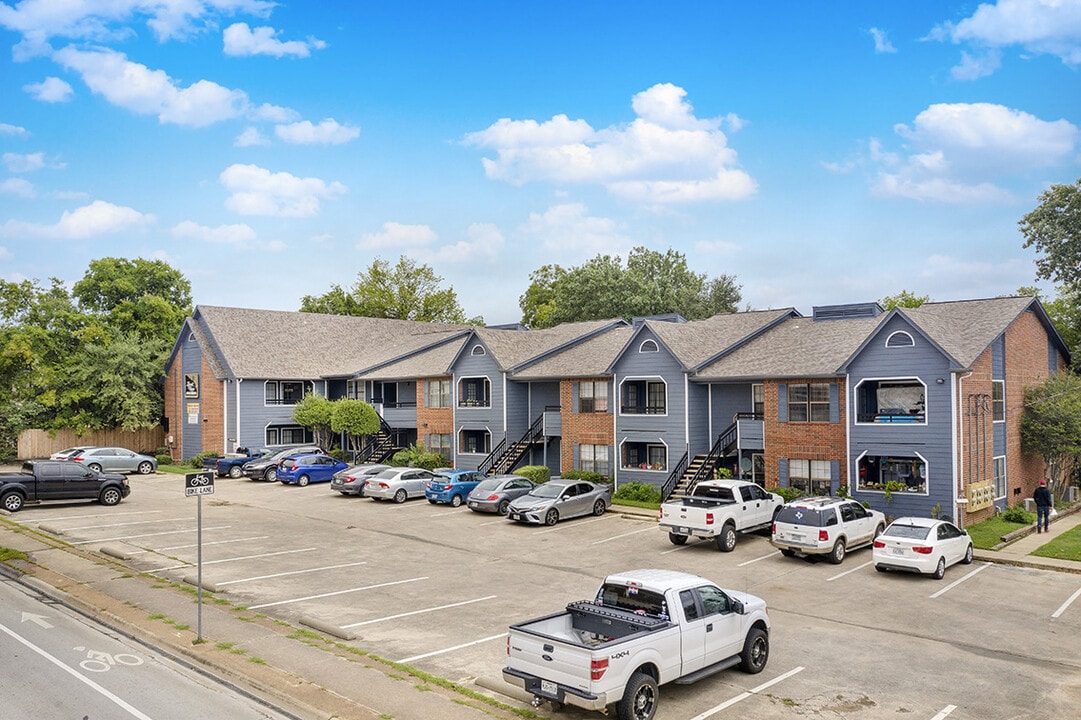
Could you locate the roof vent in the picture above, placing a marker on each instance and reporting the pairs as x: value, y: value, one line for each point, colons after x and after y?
x: 666, y: 317
x: 847, y: 312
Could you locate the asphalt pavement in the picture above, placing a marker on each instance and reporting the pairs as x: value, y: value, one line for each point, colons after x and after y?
x: 300, y: 671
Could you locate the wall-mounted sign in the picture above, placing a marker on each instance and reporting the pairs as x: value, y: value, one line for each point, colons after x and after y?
x: 193, y: 413
x: 191, y: 385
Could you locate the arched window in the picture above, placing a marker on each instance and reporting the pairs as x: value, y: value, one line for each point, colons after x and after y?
x: 648, y: 346
x: 900, y: 339
x: 477, y: 350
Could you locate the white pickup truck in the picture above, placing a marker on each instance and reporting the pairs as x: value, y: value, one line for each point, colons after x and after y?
x: 717, y: 509
x: 645, y: 628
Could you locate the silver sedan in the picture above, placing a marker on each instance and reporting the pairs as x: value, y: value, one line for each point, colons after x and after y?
x: 116, y: 459
x: 556, y: 500
x: 398, y: 484
x: 494, y: 495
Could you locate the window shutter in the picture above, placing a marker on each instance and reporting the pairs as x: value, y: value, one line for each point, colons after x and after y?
x: 577, y: 461
x: 835, y: 403
x: 835, y: 476
x: 427, y: 392
x: 782, y: 472
x: 574, y: 411
x: 782, y: 406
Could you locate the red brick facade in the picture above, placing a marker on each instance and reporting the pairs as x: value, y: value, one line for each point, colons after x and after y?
x: 801, y: 440
x: 584, y: 428
x: 432, y: 420
x: 210, y: 409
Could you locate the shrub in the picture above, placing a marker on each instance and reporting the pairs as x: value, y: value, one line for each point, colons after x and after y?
x: 164, y: 459
x: 417, y: 456
x: 1018, y: 514
x: 197, y: 461
x: 788, y: 493
x: 537, y: 473
x: 587, y: 475
x: 338, y: 454
x: 638, y: 492
x: 722, y: 473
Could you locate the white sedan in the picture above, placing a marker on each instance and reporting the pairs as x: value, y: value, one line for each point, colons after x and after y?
x: 923, y: 545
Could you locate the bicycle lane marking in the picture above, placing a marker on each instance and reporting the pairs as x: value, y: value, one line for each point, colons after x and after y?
x: 55, y: 661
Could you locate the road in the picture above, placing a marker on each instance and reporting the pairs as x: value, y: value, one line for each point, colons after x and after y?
x: 436, y: 587
x: 58, y: 664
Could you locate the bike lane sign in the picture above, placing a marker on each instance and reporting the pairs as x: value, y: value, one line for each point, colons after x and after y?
x: 198, y: 484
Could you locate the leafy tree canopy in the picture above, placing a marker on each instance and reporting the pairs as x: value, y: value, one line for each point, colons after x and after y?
x: 146, y: 297
x: 1051, y: 425
x: 406, y: 291
x: 1054, y: 229
x: 651, y: 283
x: 904, y: 299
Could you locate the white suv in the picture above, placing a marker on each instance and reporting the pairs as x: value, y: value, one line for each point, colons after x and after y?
x: 825, y: 526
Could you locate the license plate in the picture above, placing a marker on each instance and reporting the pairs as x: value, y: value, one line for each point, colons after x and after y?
x: 549, y: 688
x: 897, y: 551
x: 683, y: 531
x: 473, y: 505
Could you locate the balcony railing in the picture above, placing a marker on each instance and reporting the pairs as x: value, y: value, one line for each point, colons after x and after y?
x: 643, y: 409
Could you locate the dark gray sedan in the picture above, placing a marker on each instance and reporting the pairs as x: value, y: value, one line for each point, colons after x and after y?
x: 495, y: 494
x: 559, y: 499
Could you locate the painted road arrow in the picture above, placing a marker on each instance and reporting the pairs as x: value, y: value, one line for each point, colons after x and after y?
x: 39, y: 620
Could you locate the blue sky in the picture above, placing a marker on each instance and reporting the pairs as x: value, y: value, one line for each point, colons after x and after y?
x: 820, y: 152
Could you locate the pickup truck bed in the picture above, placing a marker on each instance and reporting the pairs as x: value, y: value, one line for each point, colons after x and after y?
x: 590, y: 625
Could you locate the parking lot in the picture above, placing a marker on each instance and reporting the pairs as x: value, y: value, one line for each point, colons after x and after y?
x: 436, y: 587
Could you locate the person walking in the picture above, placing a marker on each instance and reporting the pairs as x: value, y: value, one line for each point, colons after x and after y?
x: 1042, y: 496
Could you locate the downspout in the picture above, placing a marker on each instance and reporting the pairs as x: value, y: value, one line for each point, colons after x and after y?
x: 686, y: 414
x: 238, y: 381
x: 225, y: 417
x: 851, y: 473
x: 615, y: 439
x: 958, y: 422
x: 506, y: 431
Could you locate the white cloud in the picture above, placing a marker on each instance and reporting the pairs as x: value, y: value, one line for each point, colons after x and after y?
x: 249, y: 137
x: 1051, y: 27
x: 665, y: 155
x: 257, y: 191
x: 569, y: 230
x: 18, y: 187
x: 398, y: 236
x: 328, y: 132
x: 974, y: 67
x: 958, y: 152
x: 93, y: 220
x: 240, y: 40
x: 21, y: 163
x: 6, y: 129
x: 50, y: 90
x: 273, y: 113
x: 484, y: 243
x: 238, y: 234
x: 882, y: 41
x: 144, y: 91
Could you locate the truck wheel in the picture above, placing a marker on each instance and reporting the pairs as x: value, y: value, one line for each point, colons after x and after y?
x: 598, y: 508
x: 639, y: 701
x: 12, y: 501
x: 726, y: 541
x: 677, y: 539
x: 456, y: 501
x: 109, y: 496
x: 837, y: 554
x: 235, y: 471
x: 755, y: 652
x: 551, y: 517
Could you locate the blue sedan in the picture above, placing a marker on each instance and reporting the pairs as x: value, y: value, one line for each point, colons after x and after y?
x: 452, y: 486
x: 304, y: 469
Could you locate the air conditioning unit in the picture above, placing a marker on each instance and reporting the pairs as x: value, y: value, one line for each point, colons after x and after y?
x: 1072, y: 492
x: 1030, y: 505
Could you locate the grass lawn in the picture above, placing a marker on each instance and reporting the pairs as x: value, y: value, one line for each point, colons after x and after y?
x: 1066, y: 546
x: 985, y: 535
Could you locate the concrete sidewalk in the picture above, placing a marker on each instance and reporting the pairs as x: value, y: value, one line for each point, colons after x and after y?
x: 301, y: 673
x: 1019, y: 551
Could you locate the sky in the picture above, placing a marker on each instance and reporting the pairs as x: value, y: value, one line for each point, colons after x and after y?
x: 817, y: 152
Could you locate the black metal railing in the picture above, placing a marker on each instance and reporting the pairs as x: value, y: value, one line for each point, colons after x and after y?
x: 674, y: 477
x: 502, y: 454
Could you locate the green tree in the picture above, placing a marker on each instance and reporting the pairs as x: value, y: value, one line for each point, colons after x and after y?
x: 407, y: 291
x: 904, y: 299
x: 316, y: 413
x: 355, y: 419
x: 146, y: 297
x: 1051, y: 426
x: 1065, y: 313
x: 1054, y: 229
x: 538, y: 301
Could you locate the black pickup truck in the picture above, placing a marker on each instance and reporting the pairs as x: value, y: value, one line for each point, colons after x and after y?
x: 60, y: 480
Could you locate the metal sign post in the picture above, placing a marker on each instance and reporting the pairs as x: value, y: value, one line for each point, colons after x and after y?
x: 199, y: 484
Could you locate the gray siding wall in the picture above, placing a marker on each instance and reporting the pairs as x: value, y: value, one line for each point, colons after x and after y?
x: 931, y: 441
x: 669, y: 428
x: 478, y: 418
x: 698, y: 419
x: 519, y: 415
x: 727, y: 401
x: 191, y: 361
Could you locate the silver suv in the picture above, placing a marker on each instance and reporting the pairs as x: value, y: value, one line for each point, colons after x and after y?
x: 825, y: 526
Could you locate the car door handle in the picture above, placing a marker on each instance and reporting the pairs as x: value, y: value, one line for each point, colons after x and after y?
x: 709, y: 627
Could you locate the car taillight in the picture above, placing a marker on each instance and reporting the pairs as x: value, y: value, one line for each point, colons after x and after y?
x: 349, y: 478
x: 597, y: 668
x: 447, y: 487
x: 823, y: 535
x: 709, y: 518
x: 508, y: 644
x: 879, y: 544
x: 773, y: 529
x: 77, y: 459
x: 384, y: 485
x: 923, y: 550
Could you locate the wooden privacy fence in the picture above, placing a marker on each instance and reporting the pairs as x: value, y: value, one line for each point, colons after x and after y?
x: 43, y: 443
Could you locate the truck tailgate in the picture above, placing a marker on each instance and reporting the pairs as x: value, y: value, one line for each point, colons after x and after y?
x: 549, y: 659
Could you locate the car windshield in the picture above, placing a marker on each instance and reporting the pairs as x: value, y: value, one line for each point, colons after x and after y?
x: 547, y: 491
x: 910, y: 532
x: 799, y: 516
x: 487, y: 485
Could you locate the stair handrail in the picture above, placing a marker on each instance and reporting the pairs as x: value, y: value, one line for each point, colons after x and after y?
x: 674, y: 476
x: 496, y: 457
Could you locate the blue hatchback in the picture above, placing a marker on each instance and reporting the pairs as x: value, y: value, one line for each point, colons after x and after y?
x: 304, y: 469
x: 452, y: 486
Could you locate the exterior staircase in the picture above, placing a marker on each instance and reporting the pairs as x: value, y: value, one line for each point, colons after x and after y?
x: 381, y: 446
x: 505, y: 457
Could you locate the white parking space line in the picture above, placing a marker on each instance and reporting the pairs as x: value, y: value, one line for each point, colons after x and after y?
x: 1063, y: 606
x: 561, y: 527
x: 191, y: 545
x: 110, y: 515
x: 338, y: 592
x: 233, y: 559
x: 293, y: 572
x: 133, y: 537
x: 677, y: 548
x: 617, y: 537
x: 120, y: 702
x: 123, y: 524
x: 417, y: 612
x: 960, y: 580
x: 452, y: 649
x: 944, y: 712
x: 849, y: 572
x: 445, y: 513
x: 749, y: 693
x: 763, y: 557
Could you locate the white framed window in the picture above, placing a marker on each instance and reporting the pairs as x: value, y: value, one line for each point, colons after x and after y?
x: 899, y: 339
x: 999, y: 470
x: 474, y: 392
x: 644, y: 456
x: 439, y: 393
x: 648, y: 346
x: 998, y: 400
x: 592, y: 397
x: 810, y: 476
x: 643, y: 397
x: 594, y: 458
